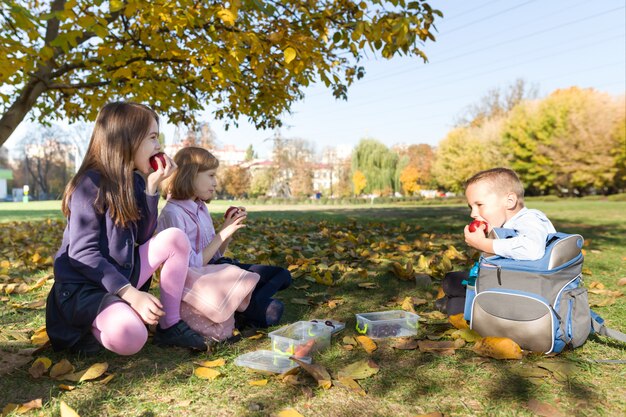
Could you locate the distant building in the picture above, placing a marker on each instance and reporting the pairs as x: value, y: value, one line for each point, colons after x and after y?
x: 229, y: 155
x: 5, y: 175
x: 323, y: 177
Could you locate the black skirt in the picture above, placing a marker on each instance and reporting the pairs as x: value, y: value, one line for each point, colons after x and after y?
x: 71, y: 309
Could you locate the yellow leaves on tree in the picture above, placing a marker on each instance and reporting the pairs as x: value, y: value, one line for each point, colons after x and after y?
x: 359, y: 182
x: 409, y: 179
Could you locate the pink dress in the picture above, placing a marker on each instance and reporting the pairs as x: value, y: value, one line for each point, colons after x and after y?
x: 212, y: 293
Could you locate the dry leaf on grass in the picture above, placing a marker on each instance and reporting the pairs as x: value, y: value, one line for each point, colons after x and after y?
x: 407, y: 305
x: 258, y: 382
x: 368, y: 344
x: 561, y: 370
x: 351, y: 385
x: 621, y: 281
x: 349, y: 340
x: 434, y: 315
x: 359, y: 370
x: 206, y: 373
x: 66, y: 387
x: 61, y: 368
x: 67, y: 411
x: 318, y: 372
x: 289, y: 412
x: 291, y: 380
x: 543, y: 409
x: 39, y: 367
x: 40, y: 337
x: 458, y: 321
x: 468, y: 335
x: 94, y: 371
x: 498, y: 348
x: 21, y: 408
x: 444, y: 348
x: 369, y: 285
x: 212, y: 364
x: 405, y: 343
x: 106, y: 379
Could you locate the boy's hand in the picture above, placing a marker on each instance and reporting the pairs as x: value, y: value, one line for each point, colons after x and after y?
x: 477, y: 240
x: 146, y: 305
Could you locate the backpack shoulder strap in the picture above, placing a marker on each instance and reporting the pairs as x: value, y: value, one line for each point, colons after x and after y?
x: 597, y: 326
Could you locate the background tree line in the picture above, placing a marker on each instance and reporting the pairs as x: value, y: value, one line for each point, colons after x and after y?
x: 572, y: 142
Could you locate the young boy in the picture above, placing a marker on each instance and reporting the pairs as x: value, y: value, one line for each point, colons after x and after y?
x: 496, y: 196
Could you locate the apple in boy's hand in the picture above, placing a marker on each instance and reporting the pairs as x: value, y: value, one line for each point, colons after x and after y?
x: 475, y: 225
x: 230, y: 210
x: 153, y: 162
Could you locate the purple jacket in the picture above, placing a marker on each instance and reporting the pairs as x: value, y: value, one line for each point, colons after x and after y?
x: 94, y: 249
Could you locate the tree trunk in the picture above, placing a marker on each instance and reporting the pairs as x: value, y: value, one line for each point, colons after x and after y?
x: 35, y: 87
x: 19, y: 109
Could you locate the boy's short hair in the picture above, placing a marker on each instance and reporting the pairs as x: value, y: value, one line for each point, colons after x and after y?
x: 190, y: 162
x: 502, y: 180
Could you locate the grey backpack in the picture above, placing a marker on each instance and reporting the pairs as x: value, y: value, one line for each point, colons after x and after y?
x: 540, y: 304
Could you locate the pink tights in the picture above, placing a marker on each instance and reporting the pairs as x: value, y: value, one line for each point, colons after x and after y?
x: 118, y: 327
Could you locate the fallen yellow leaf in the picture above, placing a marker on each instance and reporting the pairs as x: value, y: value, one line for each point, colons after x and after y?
x: 65, y: 387
x: 67, y: 411
x: 29, y: 406
x: 258, y: 383
x: 351, y: 385
x: 318, y: 372
x: 106, y: 379
x: 466, y: 334
x: 368, y: 344
x: 359, y: 370
x: 94, y: 371
x: 39, y: 367
x: 61, y: 368
x: 40, y: 336
x: 206, y: 373
x: 498, y: 348
x: 212, y: 364
x: 458, y: 321
x: 289, y: 412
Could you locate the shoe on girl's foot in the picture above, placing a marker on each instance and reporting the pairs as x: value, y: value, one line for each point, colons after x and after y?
x: 180, y: 335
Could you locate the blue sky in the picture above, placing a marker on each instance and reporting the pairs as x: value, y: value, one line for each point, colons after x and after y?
x: 480, y: 45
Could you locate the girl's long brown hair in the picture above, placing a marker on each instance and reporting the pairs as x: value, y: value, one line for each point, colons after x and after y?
x: 120, y: 128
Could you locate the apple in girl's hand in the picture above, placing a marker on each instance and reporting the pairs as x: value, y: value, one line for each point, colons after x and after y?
x: 475, y: 225
x: 230, y: 210
x: 153, y: 162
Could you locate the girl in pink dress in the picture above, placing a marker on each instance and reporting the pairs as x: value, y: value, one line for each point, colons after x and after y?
x: 235, y: 289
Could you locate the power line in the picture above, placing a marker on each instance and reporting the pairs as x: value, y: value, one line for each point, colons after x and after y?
x: 486, y: 48
x: 577, y: 47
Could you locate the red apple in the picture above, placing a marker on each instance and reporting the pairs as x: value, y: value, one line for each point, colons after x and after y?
x: 475, y: 225
x: 230, y: 210
x: 153, y: 162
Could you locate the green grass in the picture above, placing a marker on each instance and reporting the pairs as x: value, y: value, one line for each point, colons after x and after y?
x: 159, y: 382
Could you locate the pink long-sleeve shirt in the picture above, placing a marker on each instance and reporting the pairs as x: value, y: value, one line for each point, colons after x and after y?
x: 191, y: 216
